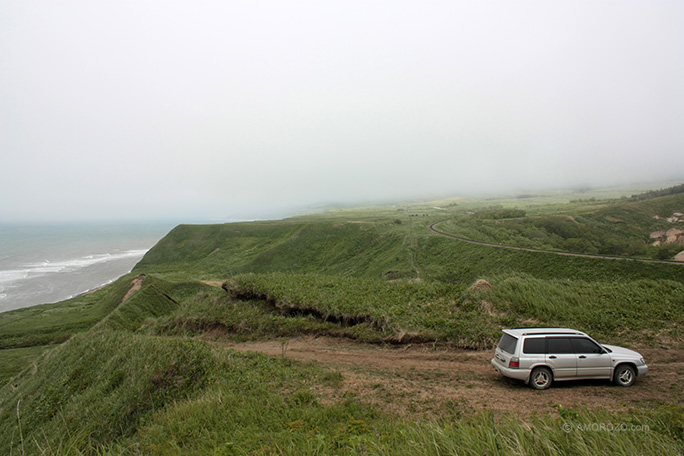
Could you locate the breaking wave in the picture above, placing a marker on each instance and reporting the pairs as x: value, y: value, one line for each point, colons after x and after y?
x: 45, y: 268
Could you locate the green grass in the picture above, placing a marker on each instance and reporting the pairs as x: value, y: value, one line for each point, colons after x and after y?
x: 348, y: 249
x: 267, y: 305
x: 14, y: 360
x: 155, y: 298
x: 26, y: 333
x: 112, y: 389
x: 648, y: 312
x: 257, y: 306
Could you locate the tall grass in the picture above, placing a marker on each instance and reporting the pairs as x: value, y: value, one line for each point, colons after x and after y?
x: 100, y: 384
x: 373, y: 310
x: 257, y: 306
x: 647, y: 311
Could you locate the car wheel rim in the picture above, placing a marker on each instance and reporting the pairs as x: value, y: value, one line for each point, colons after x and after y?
x: 625, y: 376
x: 541, y: 379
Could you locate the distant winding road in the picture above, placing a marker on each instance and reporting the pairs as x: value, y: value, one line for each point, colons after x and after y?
x: 433, y: 227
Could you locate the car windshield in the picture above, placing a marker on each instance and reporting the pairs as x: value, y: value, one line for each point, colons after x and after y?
x: 607, y: 349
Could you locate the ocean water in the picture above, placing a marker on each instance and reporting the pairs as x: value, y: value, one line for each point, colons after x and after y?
x: 49, y: 263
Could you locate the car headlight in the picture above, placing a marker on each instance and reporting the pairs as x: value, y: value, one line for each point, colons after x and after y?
x: 642, y: 361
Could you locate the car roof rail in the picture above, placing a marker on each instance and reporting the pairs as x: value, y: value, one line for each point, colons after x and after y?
x: 541, y: 327
x: 547, y: 330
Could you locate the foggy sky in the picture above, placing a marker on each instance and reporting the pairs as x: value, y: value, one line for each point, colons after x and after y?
x: 227, y: 109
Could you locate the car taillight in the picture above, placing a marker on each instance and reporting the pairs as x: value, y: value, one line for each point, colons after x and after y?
x: 515, y: 363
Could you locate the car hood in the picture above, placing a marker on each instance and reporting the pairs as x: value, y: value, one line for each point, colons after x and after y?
x: 621, y: 352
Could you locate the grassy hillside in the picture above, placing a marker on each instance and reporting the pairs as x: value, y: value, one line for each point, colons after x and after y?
x: 449, y: 260
x: 378, y: 249
x: 142, y: 365
x: 621, y: 229
x: 354, y: 249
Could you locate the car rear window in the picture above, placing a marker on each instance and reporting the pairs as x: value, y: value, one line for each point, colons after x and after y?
x: 508, y: 343
x: 534, y: 345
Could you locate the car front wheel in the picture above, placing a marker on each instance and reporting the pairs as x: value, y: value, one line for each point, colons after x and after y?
x: 541, y: 378
x: 624, y: 375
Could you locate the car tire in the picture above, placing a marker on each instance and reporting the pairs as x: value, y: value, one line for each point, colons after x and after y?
x: 541, y: 378
x: 624, y: 375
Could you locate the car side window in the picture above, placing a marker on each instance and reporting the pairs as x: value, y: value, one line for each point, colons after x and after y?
x: 582, y: 345
x: 534, y: 345
x: 559, y: 345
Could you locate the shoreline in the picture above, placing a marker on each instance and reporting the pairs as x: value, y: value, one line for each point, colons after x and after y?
x: 23, y: 293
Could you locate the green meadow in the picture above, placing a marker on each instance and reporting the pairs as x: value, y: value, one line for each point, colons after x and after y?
x: 144, y: 366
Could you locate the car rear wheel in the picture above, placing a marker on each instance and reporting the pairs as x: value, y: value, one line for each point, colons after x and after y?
x: 541, y: 378
x: 624, y: 375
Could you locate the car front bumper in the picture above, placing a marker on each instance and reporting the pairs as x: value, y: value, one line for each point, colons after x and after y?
x: 642, y: 370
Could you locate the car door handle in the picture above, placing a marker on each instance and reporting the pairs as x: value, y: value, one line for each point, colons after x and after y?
x: 552, y: 357
x: 582, y: 356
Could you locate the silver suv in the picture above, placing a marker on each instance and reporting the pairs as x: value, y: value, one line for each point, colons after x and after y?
x: 540, y: 356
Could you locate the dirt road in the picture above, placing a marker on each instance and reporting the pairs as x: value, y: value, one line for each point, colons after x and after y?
x: 427, y: 381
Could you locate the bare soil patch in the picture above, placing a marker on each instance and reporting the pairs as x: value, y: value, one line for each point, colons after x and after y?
x: 422, y: 380
x: 136, y: 284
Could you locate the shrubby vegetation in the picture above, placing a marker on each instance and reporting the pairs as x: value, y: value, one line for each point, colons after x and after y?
x: 658, y: 193
x: 500, y: 213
